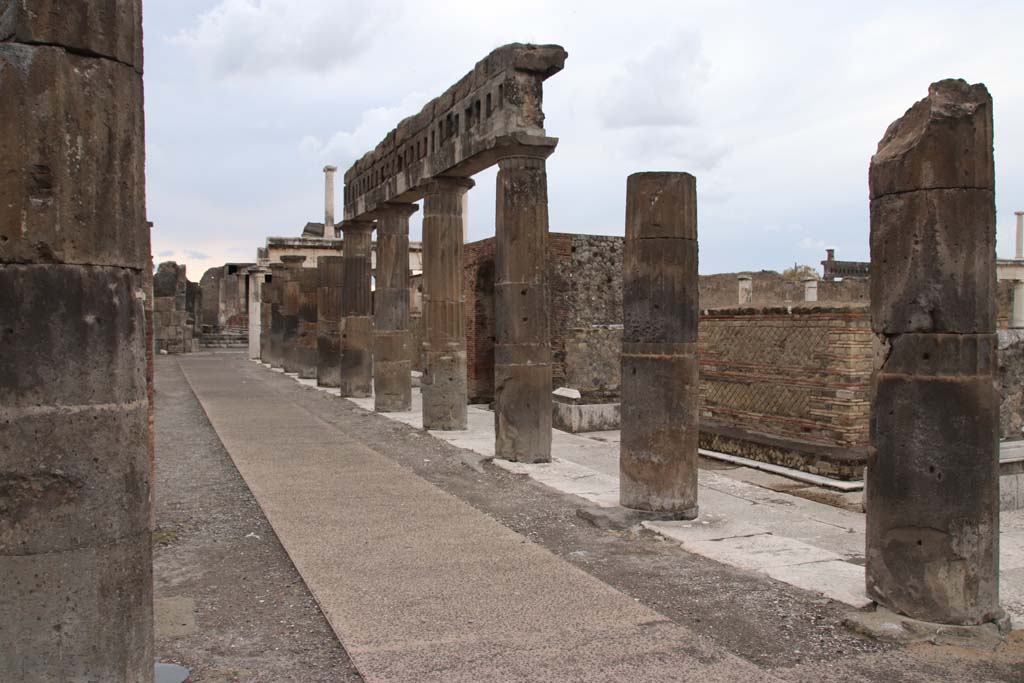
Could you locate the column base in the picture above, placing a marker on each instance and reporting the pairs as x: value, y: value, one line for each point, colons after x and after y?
x: 444, y: 391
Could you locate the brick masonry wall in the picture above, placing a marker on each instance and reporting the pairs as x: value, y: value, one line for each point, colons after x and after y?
x: 802, y: 373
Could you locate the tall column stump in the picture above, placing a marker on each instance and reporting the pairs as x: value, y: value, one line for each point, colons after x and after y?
x: 328, y: 340
x: 356, y: 318
x: 291, y: 302
x: 278, y: 276
x: 392, y: 342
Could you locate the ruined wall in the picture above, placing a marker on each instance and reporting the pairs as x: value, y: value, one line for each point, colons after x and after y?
x: 225, y: 298
x: 210, y: 305
x: 173, y: 324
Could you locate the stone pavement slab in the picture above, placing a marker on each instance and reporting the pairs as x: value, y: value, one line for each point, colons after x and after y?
x: 418, y: 585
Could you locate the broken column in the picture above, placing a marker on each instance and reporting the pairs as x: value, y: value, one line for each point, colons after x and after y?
x: 444, y: 341
x: 278, y: 275
x: 392, y: 359
x: 932, y: 481
x: 328, y: 341
x: 75, y: 554
x: 522, y: 353
x: 291, y: 302
x: 306, y: 339
x: 356, y: 317
x: 329, y: 172
x: 745, y: 285
x: 660, y: 387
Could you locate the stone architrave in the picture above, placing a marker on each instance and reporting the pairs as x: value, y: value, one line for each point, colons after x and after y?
x: 444, y: 378
x: 932, y: 491
x: 308, y: 330
x: 328, y: 344
x: 660, y: 386
x: 392, y: 352
x: 291, y: 302
x: 522, y: 349
x: 278, y: 276
x: 76, y: 602
x: 356, y: 316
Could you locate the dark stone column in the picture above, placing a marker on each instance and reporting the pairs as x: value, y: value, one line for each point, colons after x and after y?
x: 76, y: 587
x: 266, y: 294
x: 660, y: 388
x: 278, y: 276
x: 444, y: 373
x: 356, y: 316
x: 392, y: 359
x: 328, y: 342
x: 306, y: 341
x: 291, y: 302
x: 522, y: 351
x: 932, y: 489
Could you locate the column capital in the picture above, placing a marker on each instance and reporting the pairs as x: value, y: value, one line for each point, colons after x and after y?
x: 356, y: 225
x: 1018, y: 213
x: 395, y: 208
x: 510, y: 154
x: 448, y: 184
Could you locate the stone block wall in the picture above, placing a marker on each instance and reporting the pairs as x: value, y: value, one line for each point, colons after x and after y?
x: 173, y: 322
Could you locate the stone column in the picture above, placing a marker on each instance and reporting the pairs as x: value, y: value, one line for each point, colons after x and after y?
x: 328, y: 341
x: 291, y: 298
x: 522, y: 350
x: 746, y: 290
x: 265, y: 317
x: 660, y: 387
x: 306, y: 340
x: 356, y: 317
x: 278, y: 276
x: 256, y: 276
x: 75, y: 555
x: 1017, y: 317
x: 1019, y: 253
x: 392, y: 359
x: 444, y: 339
x: 810, y: 289
x: 329, y: 172
x: 932, y: 489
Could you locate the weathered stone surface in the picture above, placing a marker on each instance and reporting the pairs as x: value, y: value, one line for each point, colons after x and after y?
x: 444, y: 383
x: 328, y: 365
x: 73, y: 180
x: 932, y: 487
x: 392, y: 379
x: 105, y: 28
x: 356, y: 311
x: 493, y: 112
x: 278, y: 276
x: 290, y: 303
x: 522, y: 356
x: 933, y: 262
x: 943, y: 142
x: 660, y: 370
x: 306, y: 341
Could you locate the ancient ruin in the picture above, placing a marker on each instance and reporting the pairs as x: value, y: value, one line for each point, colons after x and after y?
x: 932, y: 498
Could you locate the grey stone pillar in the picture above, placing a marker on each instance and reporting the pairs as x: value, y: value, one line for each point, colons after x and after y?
x: 356, y: 317
x: 660, y: 387
x: 75, y: 557
x: 810, y: 289
x: 392, y: 344
x: 932, y: 491
x: 1019, y: 251
x: 522, y: 351
x: 745, y: 287
x: 278, y: 276
x: 255, y: 277
x: 306, y: 341
x: 328, y: 341
x: 329, y: 172
x: 444, y: 340
x: 291, y: 298
x: 265, y: 317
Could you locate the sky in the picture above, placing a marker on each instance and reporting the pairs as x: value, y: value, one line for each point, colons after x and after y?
x: 776, y: 109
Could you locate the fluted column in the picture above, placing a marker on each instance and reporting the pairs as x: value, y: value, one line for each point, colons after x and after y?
x: 392, y: 360
x: 522, y: 352
x: 444, y: 376
x: 328, y: 343
x: 356, y: 319
x: 306, y: 341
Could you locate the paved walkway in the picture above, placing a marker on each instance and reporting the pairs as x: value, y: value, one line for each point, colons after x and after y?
x: 418, y: 585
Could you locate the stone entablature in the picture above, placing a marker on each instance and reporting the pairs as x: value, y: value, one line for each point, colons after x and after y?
x: 491, y: 112
x: 315, y: 247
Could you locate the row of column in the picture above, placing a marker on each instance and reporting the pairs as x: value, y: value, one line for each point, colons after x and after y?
x: 931, y: 489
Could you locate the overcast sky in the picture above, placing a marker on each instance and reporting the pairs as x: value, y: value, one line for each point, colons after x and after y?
x: 776, y: 108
